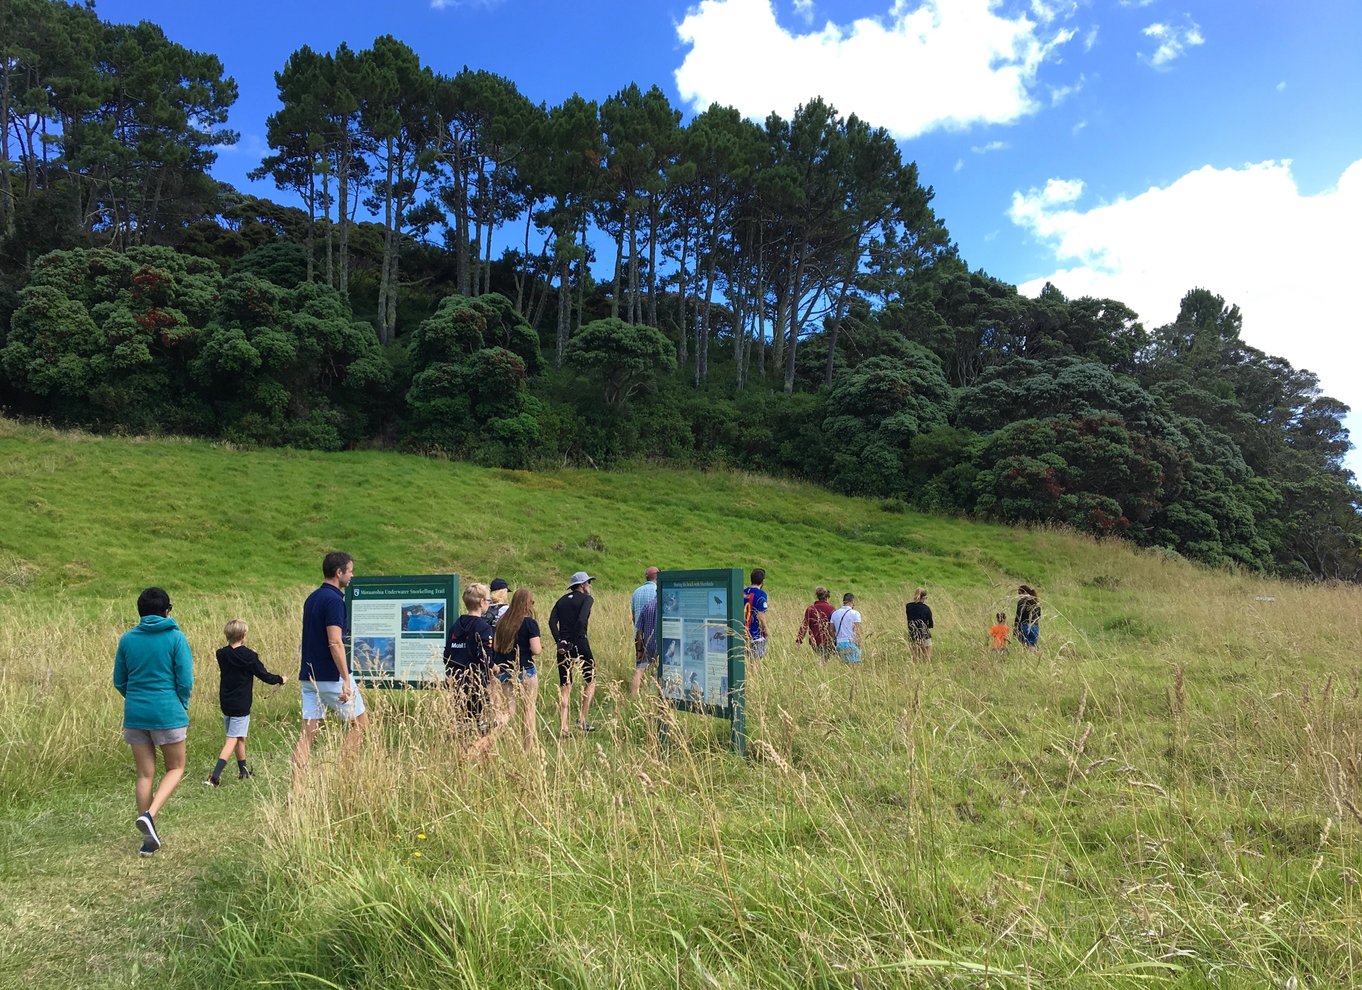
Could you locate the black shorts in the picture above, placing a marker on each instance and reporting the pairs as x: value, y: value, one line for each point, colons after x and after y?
x: 571, y: 653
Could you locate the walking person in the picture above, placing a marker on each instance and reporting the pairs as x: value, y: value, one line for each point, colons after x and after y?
x: 568, y: 625
x: 1026, y: 624
x: 500, y: 693
x: 516, y: 645
x: 468, y: 655
x: 846, y: 627
x: 754, y: 605
x: 154, y: 672
x: 645, y: 596
x: 919, y: 626
x: 816, y: 626
x: 238, y: 667
x: 324, y: 672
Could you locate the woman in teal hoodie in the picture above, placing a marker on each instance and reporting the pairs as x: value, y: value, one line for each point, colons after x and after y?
x: 154, y: 672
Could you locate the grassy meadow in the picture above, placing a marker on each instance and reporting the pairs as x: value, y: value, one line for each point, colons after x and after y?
x: 1167, y: 793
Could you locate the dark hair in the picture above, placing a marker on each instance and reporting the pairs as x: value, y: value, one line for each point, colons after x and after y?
x: 153, y: 601
x: 1002, y: 616
x: 334, y: 562
x: 821, y: 593
x: 758, y: 575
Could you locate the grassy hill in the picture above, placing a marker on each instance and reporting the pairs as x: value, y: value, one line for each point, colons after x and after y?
x: 1166, y: 793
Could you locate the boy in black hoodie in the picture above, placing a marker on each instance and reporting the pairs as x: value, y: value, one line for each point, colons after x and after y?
x: 468, y: 651
x: 239, y: 665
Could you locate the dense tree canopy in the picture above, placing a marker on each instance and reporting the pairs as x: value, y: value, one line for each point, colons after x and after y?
x: 778, y: 295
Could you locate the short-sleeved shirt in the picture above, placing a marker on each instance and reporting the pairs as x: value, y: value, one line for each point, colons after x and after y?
x: 844, y: 622
x: 919, y: 620
x: 753, y: 604
x: 643, y: 594
x: 529, y: 629
x: 645, y: 630
x: 324, y: 607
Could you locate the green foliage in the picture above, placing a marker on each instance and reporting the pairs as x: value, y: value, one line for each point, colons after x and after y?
x: 280, y: 262
x: 874, y: 411
x: 624, y: 358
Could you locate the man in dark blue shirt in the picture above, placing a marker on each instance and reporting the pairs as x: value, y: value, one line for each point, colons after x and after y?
x: 324, y: 672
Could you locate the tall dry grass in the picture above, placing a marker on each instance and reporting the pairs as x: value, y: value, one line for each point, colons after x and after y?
x: 1166, y: 791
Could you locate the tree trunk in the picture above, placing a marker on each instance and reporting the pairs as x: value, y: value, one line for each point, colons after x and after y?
x: 311, y: 219
x: 796, y: 264
x: 564, y: 310
x: 344, y: 212
x: 326, y: 205
x: 682, y: 356
x: 619, y: 264
x: 833, y: 331
x: 583, y: 271
x: 652, y: 259
x: 635, y: 311
x: 385, y: 266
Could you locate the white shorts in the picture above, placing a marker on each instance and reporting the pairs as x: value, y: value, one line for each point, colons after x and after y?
x: 319, y: 696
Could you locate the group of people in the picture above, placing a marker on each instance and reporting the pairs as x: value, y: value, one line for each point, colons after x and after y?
x: 490, y: 657
x: 837, y: 632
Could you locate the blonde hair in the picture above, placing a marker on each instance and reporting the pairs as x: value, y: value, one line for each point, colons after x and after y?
x: 474, y: 595
x: 920, y: 594
x: 235, y: 630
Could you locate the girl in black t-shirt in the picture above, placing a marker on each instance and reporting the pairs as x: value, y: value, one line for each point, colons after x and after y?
x: 515, y: 645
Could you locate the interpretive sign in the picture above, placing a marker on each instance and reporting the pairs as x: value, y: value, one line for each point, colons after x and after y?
x: 398, y: 627
x: 701, y: 645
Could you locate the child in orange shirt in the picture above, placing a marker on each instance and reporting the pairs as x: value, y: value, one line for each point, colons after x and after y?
x: 999, y: 633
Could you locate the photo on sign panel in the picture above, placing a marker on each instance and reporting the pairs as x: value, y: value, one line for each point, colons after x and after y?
x: 375, y: 654
x: 423, y: 617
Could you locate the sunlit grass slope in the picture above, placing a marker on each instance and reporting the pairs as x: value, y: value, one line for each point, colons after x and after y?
x: 1165, y: 794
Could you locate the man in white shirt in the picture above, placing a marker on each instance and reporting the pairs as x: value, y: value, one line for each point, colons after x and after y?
x: 846, y: 628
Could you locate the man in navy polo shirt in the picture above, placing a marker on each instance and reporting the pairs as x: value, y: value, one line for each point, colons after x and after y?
x: 324, y: 673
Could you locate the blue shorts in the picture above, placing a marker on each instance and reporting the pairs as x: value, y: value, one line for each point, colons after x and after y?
x: 526, y: 671
x: 321, y: 696
x: 1029, y: 633
x: 237, y: 726
x: 848, y: 652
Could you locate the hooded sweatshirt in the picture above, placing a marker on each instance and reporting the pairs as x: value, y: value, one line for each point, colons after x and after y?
x: 469, y: 643
x: 154, y: 672
x: 240, y: 665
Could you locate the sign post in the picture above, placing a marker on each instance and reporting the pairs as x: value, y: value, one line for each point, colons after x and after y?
x: 702, y: 645
x: 398, y: 627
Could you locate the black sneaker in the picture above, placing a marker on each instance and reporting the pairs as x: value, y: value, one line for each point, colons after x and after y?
x: 147, y: 849
x: 147, y: 827
x: 244, y: 773
x: 212, y: 782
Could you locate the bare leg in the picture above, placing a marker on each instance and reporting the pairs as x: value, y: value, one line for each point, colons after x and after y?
x: 302, y: 750
x: 173, y: 757
x: 529, y: 709
x: 240, y: 749
x: 564, y: 700
x: 587, y: 695
x: 230, y: 746
x: 144, y: 755
x: 638, y: 682
x: 354, y: 735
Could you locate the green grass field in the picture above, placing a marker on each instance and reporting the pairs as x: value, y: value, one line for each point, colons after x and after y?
x: 1165, y: 794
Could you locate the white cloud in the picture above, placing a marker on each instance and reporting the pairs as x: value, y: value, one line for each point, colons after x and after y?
x: 959, y: 164
x: 1079, y: 127
x: 1173, y: 41
x: 984, y: 149
x: 1090, y: 38
x: 1281, y: 86
x: 804, y: 8
x: 917, y: 68
x: 1136, y: 3
x: 1288, y: 260
x: 477, y: 4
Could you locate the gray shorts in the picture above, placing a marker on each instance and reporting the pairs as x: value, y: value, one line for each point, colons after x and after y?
x: 756, y: 648
x: 155, y: 737
x: 237, y: 726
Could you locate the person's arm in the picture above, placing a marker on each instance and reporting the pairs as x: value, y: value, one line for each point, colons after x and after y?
x: 536, y: 646
x: 335, y: 641
x: 183, y: 664
x: 803, y: 627
x: 761, y: 620
x: 259, y: 670
x: 120, y: 677
x: 554, y: 623
x: 856, y: 632
x: 930, y: 624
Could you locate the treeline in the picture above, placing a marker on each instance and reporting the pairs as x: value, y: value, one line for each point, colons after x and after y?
x: 779, y: 296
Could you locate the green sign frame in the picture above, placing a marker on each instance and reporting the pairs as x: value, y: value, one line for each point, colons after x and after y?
x: 702, y: 646
x: 397, y: 628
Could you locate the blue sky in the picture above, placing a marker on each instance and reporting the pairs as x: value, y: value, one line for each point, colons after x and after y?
x: 1128, y: 148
